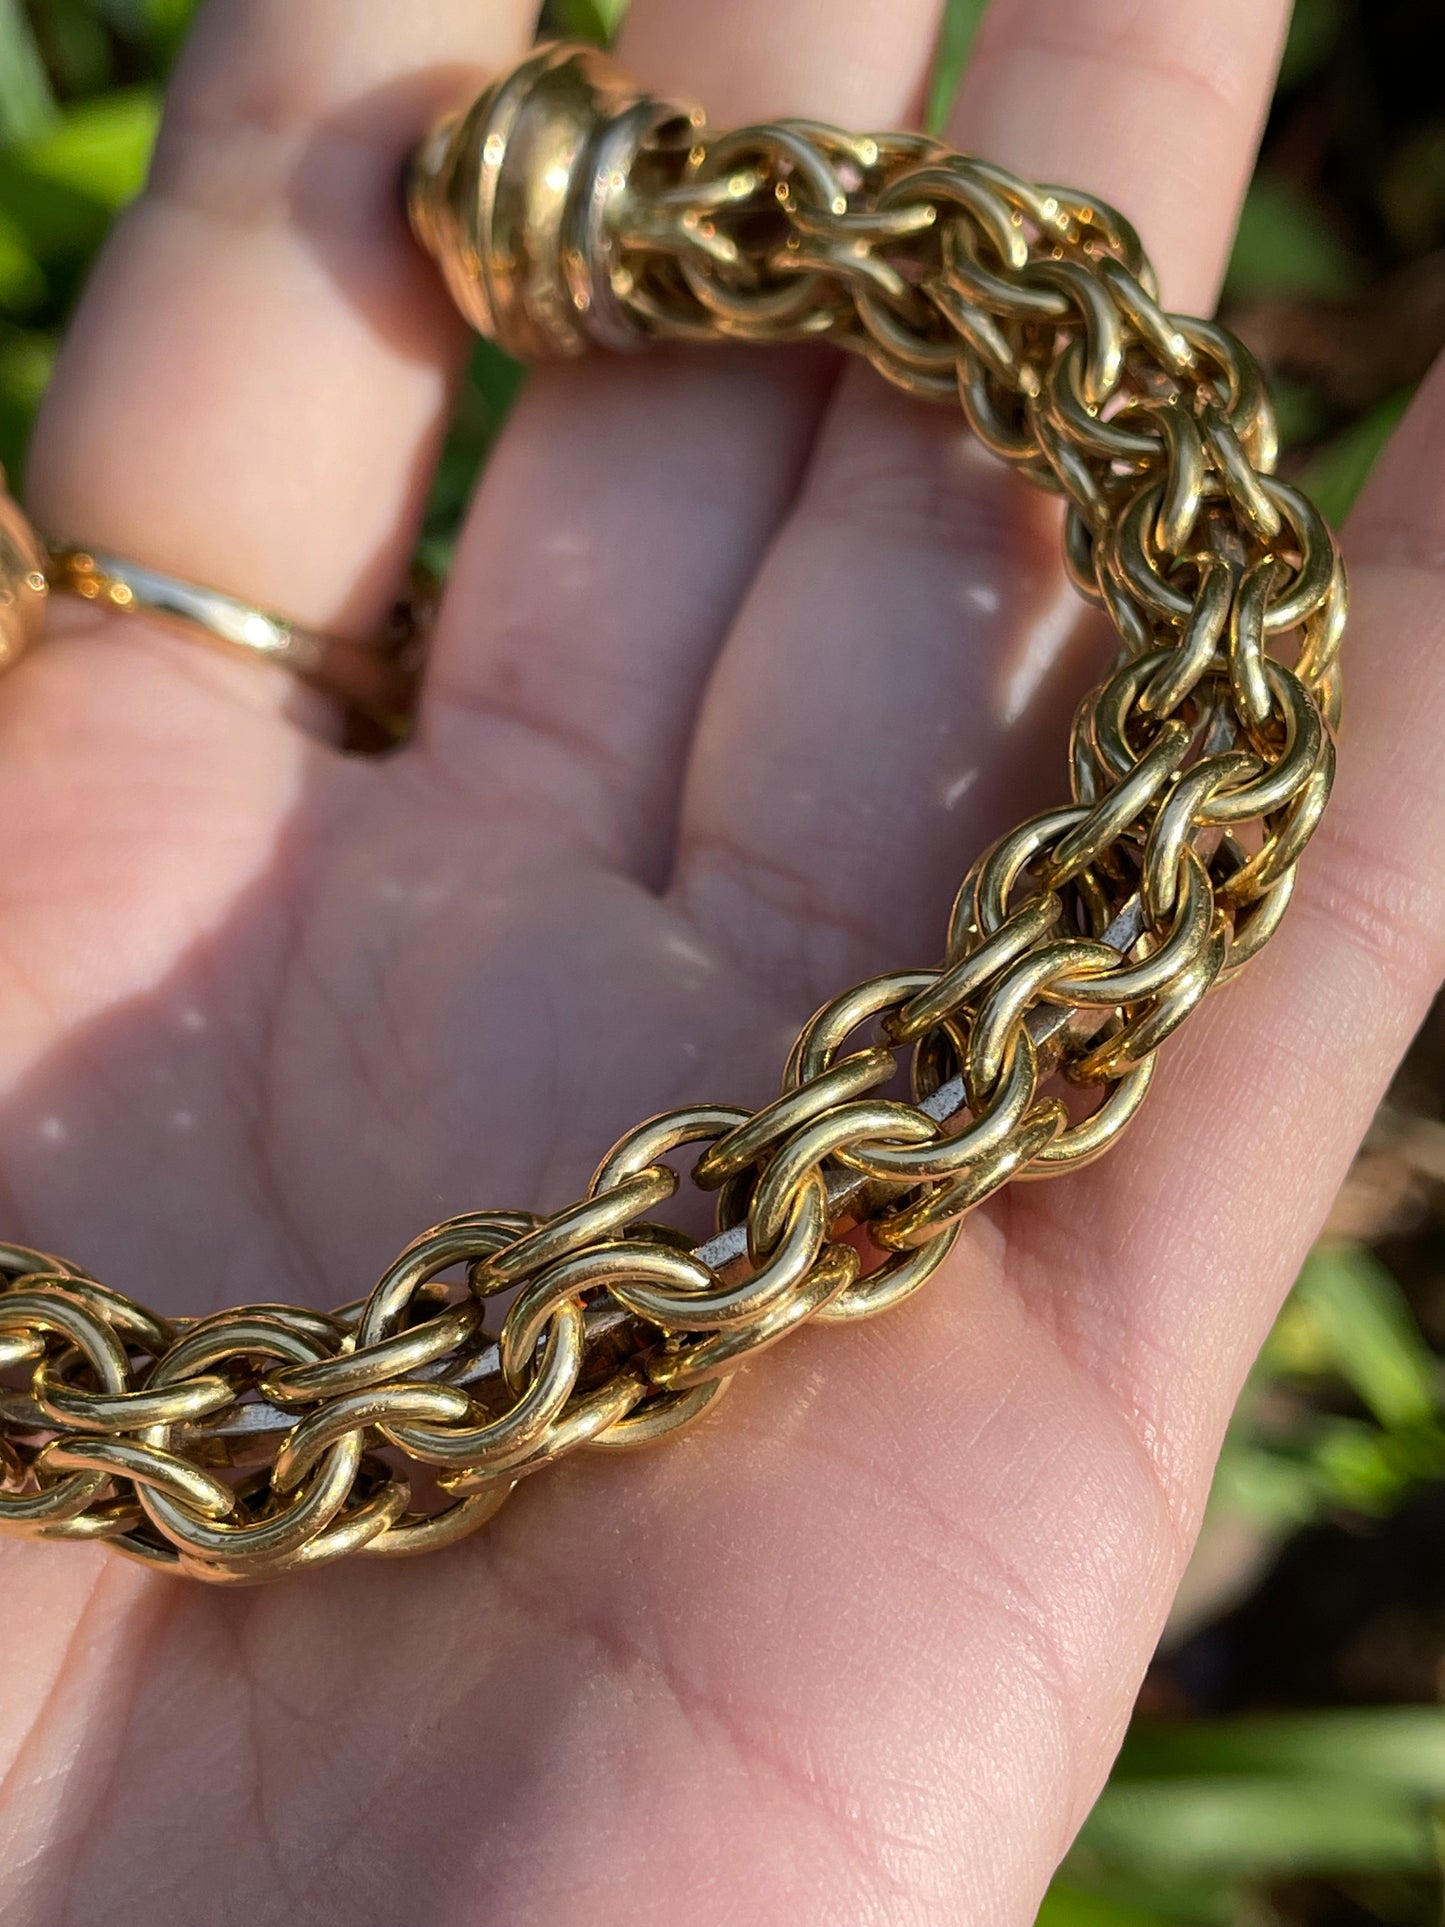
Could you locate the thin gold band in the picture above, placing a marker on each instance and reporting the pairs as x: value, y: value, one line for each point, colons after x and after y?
x: 23, y: 583
x: 375, y: 680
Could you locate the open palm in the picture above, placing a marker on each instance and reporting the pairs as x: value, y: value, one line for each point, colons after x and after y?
x: 741, y: 663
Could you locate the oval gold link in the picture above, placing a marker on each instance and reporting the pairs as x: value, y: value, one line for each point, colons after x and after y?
x: 1134, y: 623
x: 142, y: 1329
x: 1181, y: 813
x: 1133, y: 982
x: 1245, y: 489
x: 794, y: 1162
x: 986, y: 342
x: 577, y: 1227
x: 796, y: 1253
x: 1001, y: 868
x: 58, y: 1504
x: 1002, y: 295
x: 611, y: 1267
x: 144, y: 1465
x: 693, y: 1361
x: 407, y: 1537
x: 280, y: 1535
x: 1247, y: 676
x: 917, y: 1223
x: 1304, y: 745
x: 1106, y: 718
x: 590, y: 1414
x: 45, y: 1307
x: 1080, y: 561
x: 80, y: 1411
x: 949, y: 181
x: 1100, y: 231
x: 104, y: 1522
x: 1132, y: 435
x: 998, y: 421
x: 1102, y: 323
x: 894, y: 1281
x: 378, y: 1364
x: 1247, y: 405
x: 239, y: 1334
x: 656, y: 1139
x: 1324, y: 631
x: 1081, y: 846
x: 1160, y: 332
x: 1316, y: 572
x: 1184, y: 478
x: 1081, y: 1143
x: 463, y: 1240
x: 1282, y: 848
x: 956, y: 985
x: 1254, y: 929
x: 1129, y: 550
x: 1203, y: 632
x: 513, y: 1433
x: 1070, y: 470
x: 377, y: 1405
x: 352, y: 1531
x: 1020, y: 987
x: 21, y: 1262
x: 660, y: 1417
x: 850, y: 1077
x: 1141, y: 1035
x: 934, y: 1162
x: 827, y: 1029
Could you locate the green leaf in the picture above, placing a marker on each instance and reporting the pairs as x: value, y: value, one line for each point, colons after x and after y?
x: 78, y: 50
x: 1337, y: 474
x: 22, y: 280
x: 1372, y: 1339
x: 956, y: 35
x: 62, y: 191
x: 26, y: 359
x: 1284, y: 246
x: 596, y: 20
x: 1314, y: 29
x: 1066, y: 1905
x: 486, y: 397
x: 1400, y: 1749
x: 100, y: 148
x: 1242, y: 1826
x: 1372, y: 1469
x: 27, y: 106
x: 1274, y: 1488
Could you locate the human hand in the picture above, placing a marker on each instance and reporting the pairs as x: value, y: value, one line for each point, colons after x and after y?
x: 739, y: 668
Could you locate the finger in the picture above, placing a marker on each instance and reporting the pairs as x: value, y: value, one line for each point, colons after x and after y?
x: 624, y: 513
x: 1202, y: 1219
x: 915, y: 608
x: 253, y: 389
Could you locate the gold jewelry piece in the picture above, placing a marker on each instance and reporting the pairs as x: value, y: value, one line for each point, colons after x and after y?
x: 373, y: 680
x: 565, y: 207
x: 22, y: 581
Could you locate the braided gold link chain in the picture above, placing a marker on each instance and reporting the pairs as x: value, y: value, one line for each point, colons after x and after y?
x: 566, y: 208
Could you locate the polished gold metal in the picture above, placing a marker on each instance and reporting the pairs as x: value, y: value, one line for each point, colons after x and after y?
x: 376, y: 680
x: 22, y: 581
x: 566, y: 208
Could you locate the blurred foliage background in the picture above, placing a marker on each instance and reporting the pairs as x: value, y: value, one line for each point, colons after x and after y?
x: 1286, y: 1767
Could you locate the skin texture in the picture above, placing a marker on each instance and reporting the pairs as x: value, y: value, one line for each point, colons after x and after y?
x: 742, y: 662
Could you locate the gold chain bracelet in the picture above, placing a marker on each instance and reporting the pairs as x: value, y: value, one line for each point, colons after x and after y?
x: 566, y: 208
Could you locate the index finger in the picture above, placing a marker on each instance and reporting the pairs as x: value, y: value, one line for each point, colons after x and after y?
x: 256, y: 382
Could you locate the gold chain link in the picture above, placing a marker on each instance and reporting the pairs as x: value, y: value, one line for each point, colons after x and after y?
x: 262, y: 1440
